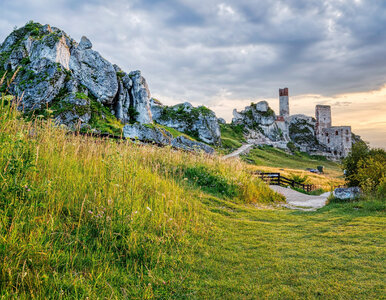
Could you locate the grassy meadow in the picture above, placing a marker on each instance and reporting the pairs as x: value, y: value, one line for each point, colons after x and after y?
x: 82, y: 217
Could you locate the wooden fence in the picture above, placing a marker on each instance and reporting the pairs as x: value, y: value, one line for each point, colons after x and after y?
x: 277, y: 179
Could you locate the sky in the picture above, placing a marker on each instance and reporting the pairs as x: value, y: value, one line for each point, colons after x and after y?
x: 226, y: 54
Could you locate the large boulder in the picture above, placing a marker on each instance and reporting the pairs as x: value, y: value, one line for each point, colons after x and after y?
x: 347, y: 193
x: 199, y: 122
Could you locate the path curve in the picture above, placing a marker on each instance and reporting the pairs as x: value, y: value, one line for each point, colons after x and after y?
x: 297, y: 200
x: 242, y: 150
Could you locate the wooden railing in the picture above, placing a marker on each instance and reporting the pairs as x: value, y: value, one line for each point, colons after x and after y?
x: 277, y: 179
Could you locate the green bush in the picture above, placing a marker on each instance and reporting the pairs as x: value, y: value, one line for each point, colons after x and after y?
x: 365, y: 167
x: 210, y: 181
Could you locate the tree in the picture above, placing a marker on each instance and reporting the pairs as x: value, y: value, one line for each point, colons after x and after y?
x: 350, y: 163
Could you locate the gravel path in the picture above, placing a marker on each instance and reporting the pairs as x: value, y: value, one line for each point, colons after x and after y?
x: 243, y: 149
x: 296, y: 200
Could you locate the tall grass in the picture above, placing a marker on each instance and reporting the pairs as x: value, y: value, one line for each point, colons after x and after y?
x: 91, y: 217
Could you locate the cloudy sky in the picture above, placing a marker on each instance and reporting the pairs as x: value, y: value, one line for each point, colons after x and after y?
x: 227, y: 53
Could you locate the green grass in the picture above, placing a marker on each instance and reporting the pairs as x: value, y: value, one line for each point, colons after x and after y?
x: 84, y: 217
x: 273, y: 157
x: 335, y: 253
x: 232, y: 137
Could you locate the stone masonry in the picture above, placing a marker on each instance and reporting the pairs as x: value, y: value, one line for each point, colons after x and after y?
x: 336, y: 138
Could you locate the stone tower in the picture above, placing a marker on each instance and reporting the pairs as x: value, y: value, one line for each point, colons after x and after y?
x: 284, y: 102
x: 323, y: 119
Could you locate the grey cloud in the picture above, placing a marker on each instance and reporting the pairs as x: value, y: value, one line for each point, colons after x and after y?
x: 190, y: 50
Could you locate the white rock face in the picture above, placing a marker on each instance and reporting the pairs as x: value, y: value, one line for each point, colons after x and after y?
x: 94, y: 72
x: 200, y: 122
x: 141, y: 97
x: 49, y: 48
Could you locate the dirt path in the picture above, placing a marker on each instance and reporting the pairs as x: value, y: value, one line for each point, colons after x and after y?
x: 243, y: 149
x: 296, y: 200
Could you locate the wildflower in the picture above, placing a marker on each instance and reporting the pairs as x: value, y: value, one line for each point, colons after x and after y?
x: 90, y: 212
x: 136, y: 212
x: 28, y: 190
x: 148, y: 208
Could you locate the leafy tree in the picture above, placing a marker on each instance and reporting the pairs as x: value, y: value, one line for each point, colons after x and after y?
x: 350, y: 163
x: 371, y: 170
x: 365, y: 167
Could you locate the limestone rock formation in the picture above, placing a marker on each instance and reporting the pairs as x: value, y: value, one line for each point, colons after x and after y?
x: 302, y: 133
x: 94, y: 72
x: 149, y: 133
x: 199, y: 122
x: 155, y: 134
x: 255, y: 115
x: 53, y: 71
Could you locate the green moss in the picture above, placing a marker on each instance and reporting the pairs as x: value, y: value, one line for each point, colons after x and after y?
x: 81, y: 96
x: 120, y: 75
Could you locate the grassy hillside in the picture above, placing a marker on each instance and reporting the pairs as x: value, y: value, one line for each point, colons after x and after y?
x: 231, y: 137
x: 83, y: 217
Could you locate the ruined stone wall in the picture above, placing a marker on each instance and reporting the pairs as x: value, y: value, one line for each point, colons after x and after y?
x: 338, y: 140
x: 284, y: 102
x: 323, y: 121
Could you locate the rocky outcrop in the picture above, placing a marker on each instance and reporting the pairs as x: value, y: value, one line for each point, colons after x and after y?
x: 94, y: 72
x: 199, y: 122
x: 261, y: 125
x: 160, y: 136
x: 147, y: 133
x: 185, y: 143
x: 302, y: 133
x: 141, y: 97
x: 255, y: 115
x: 55, y: 72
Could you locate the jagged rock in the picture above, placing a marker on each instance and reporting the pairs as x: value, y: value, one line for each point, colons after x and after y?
x: 347, y: 193
x: 52, y: 47
x: 141, y: 97
x: 38, y: 84
x: 155, y: 134
x: 221, y: 121
x: 184, y: 143
x: 85, y: 43
x: 255, y: 115
x: 156, y: 108
x: 302, y: 133
x: 199, y: 122
x: 94, y: 72
x: 148, y: 133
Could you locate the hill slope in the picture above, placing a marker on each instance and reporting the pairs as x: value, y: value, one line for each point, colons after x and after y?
x: 84, y: 217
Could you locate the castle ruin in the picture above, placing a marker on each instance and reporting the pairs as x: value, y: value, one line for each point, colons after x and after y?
x: 336, y: 138
x: 284, y: 102
x: 312, y: 135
